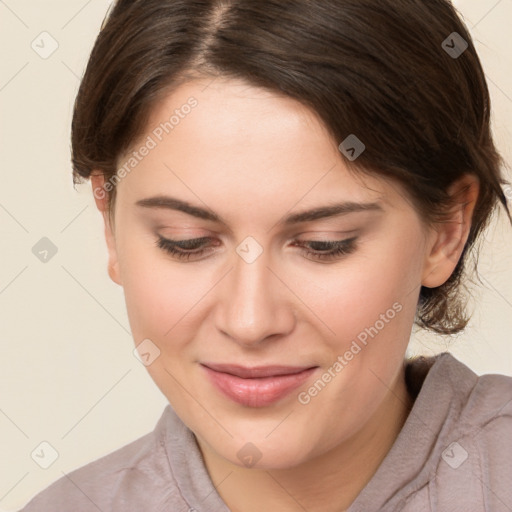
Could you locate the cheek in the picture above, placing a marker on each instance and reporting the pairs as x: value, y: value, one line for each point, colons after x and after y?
x: 371, y: 309
x: 157, y: 294
x: 352, y: 298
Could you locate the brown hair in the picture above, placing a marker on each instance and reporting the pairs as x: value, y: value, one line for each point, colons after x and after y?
x: 384, y: 70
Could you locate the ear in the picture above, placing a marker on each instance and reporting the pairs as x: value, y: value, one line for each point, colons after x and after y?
x: 448, y: 238
x: 101, y: 198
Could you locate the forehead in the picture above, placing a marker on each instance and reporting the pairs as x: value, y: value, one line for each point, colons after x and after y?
x: 225, y: 139
x: 230, y: 113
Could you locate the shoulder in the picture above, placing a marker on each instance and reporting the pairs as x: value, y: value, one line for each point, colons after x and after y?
x: 480, y: 400
x: 476, y: 456
x: 473, y: 400
x: 117, y: 481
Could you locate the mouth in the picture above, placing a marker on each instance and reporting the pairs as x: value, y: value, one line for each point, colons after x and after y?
x: 256, y: 386
x: 256, y: 371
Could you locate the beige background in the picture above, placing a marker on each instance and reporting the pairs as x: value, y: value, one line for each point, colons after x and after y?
x: 67, y: 372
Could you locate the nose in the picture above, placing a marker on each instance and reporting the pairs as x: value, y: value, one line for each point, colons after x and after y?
x: 255, y: 305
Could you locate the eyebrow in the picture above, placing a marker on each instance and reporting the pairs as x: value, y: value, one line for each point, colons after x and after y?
x: 321, y: 212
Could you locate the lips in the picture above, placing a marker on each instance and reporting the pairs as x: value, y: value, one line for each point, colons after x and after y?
x: 257, y: 386
x: 256, y: 371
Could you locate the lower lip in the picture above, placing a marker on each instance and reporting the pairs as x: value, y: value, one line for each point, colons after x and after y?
x: 257, y: 392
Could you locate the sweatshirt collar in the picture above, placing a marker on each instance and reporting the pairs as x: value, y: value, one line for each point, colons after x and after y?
x: 425, y: 434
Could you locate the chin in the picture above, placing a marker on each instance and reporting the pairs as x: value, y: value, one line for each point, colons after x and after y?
x: 264, y: 454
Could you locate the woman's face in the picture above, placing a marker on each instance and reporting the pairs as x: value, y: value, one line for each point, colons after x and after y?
x: 264, y: 291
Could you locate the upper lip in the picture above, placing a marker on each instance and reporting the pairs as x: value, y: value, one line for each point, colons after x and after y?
x: 256, y: 371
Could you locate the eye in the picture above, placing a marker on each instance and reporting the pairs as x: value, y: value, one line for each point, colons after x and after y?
x: 318, y: 249
x: 327, y: 250
x: 183, y: 249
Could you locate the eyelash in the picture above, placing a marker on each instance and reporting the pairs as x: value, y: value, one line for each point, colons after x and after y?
x: 338, y: 248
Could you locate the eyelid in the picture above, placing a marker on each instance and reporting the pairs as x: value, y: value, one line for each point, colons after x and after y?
x: 336, y: 249
x: 335, y: 234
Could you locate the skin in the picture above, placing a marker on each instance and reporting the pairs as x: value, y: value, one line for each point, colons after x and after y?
x: 252, y: 157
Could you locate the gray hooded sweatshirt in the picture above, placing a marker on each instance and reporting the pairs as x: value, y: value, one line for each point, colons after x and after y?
x: 453, y: 454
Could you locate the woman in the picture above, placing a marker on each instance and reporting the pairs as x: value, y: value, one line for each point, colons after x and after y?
x: 287, y: 187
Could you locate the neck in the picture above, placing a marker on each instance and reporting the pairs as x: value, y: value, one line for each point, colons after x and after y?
x: 328, y: 483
